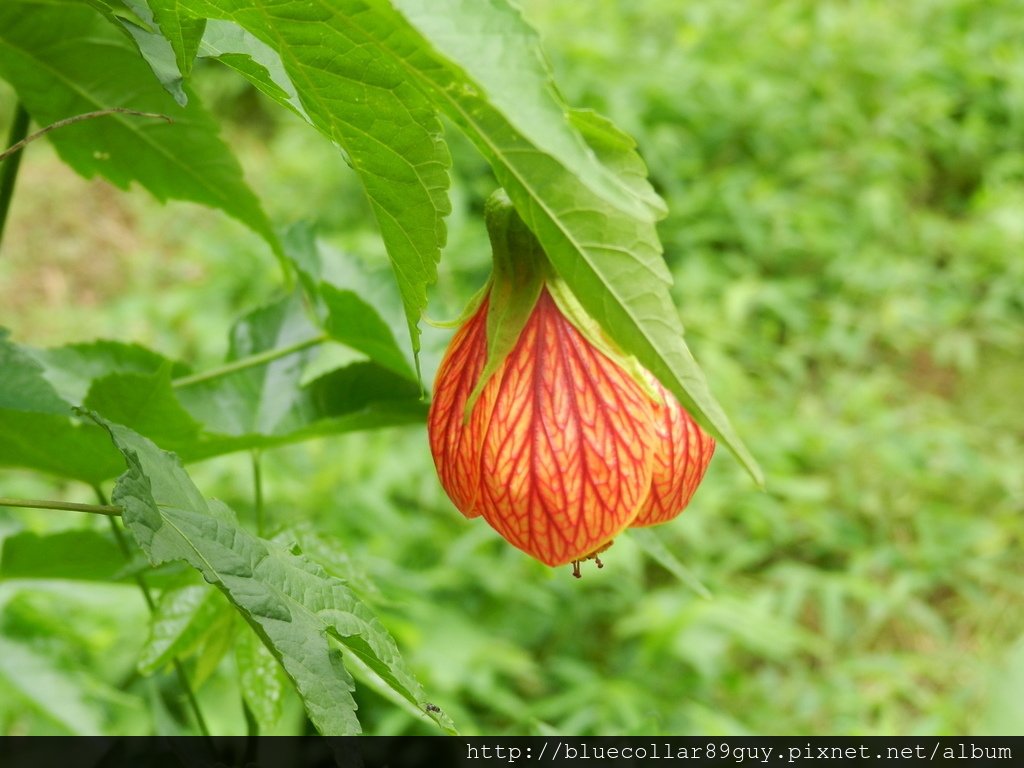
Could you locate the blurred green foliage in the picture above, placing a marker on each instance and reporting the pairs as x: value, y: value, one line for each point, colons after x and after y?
x: 846, y: 192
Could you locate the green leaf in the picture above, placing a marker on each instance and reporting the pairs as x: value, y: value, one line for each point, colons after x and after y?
x: 261, y: 679
x: 490, y: 51
x: 253, y: 59
x: 338, y: 58
x: 292, y: 604
x: 58, y: 445
x: 354, y: 322
x: 262, y: 400
x: 146, y: 403
x: 351, y: 300
x: 73, y: 368
x: 183, y: 32
x: 155, y: 48
x: 183, y: 620
x: 80, y: 555
x: 36, y: 427
x: 23, y: 387
x: 655, y: 548
x: 67, y: 60
x: 50, y: 689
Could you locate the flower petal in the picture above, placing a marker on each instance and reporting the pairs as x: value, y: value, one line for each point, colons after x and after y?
x: 682, y: 456
x: 455, y: 448
x: 566, y: 458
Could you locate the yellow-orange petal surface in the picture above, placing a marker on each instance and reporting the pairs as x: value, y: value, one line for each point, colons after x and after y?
x: 566, y: 438
x: 681, y: 457
x: 456, y: 449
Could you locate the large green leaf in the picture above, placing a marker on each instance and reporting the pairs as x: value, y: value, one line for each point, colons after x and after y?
x: 352, y: 88
x: 301, y: 614
x: 65, y: 60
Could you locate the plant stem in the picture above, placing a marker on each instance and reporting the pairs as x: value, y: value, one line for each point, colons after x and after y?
x: 183, y: 681
x: 96, y: 509
x: 261, y: 358
x: 257, y: 486
x: 9, y: 171
x: 18, y: 143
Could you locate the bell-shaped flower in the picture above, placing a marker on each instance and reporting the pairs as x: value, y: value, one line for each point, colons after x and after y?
x: 540, y: 425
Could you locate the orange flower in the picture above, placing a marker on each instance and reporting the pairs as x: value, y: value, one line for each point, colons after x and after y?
x: 535, y: 425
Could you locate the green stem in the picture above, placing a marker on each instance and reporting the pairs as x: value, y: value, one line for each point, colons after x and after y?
x: 96, y: 509
x: 183, y: 681
x: 9, y: 171
x: 251, y: 361
x: 257, y: 485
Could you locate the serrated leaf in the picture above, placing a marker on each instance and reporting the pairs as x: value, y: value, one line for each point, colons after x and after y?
x: 292, y: 604
x: 67, y: 60
x: 81, y: 555
x: 352, y: 89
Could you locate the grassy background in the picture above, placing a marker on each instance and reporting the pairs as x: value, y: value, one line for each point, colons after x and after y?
x: 846, y: 187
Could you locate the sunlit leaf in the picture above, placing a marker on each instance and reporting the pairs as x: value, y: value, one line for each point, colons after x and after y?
x: 295, y: 607
x: 68, y: 60
x: 352, y: 89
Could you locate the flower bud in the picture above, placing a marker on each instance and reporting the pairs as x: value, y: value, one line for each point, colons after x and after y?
x: 540, y: 426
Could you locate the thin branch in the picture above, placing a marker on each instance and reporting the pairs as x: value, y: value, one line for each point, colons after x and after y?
x: 96, y: 509
x: 19, y: 145
x: 248, y: 362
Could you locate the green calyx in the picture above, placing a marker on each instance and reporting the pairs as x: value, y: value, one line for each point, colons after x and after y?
x: 521, y: 271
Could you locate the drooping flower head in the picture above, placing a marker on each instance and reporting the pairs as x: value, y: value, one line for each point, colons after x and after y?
x: 542, y: 427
